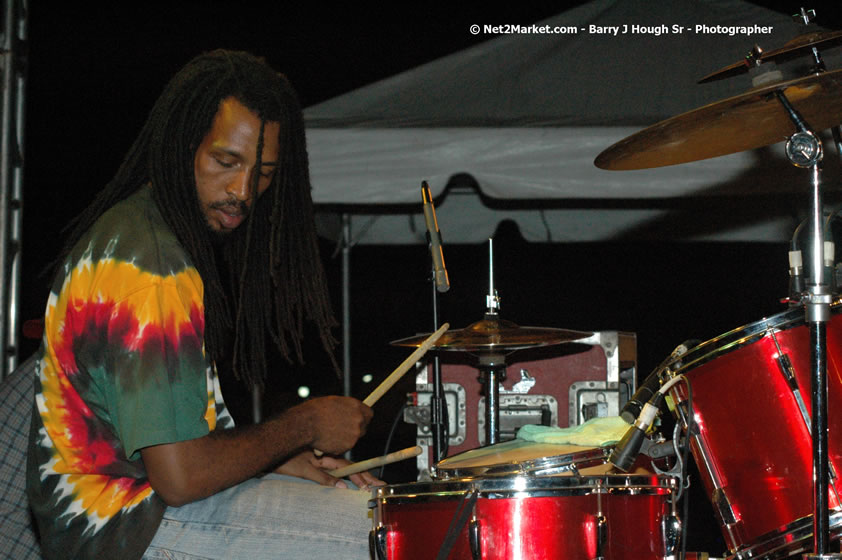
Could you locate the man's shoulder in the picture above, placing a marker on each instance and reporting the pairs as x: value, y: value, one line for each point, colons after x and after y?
x: 133, y: 230
x: 136, y: 218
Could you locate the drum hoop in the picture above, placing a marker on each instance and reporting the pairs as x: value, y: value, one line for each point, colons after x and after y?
x: 539, y: 466
x: 520, y: 487
x: 790, y: 538
x: 739, y: 337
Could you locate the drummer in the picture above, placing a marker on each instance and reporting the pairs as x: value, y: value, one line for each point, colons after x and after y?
x: 201, y: 245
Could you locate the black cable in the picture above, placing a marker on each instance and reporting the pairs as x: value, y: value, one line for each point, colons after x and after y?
x: 457, y: 522
x: 831, y: 214
x: 389, y: 437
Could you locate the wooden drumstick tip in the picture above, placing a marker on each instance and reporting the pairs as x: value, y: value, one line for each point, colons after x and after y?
x: 399, y: 372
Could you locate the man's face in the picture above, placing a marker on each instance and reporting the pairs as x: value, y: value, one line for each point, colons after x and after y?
x: 225, y: 164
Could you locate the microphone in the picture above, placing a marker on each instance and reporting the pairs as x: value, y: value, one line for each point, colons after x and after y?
x: 439, y: 272
x: 796, y: 280
x: 652, y: 383
x: 625, y: 453
x: 634, y: 405
x: 829, y: 257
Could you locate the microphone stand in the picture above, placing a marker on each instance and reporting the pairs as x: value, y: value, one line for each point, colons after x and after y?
x: 438, y: 402
x: 440, y: 283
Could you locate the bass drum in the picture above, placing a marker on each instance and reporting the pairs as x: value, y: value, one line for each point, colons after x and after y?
x: 509, y: 501
x: 749, y: 390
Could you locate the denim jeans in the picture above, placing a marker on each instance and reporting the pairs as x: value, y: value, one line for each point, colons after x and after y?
x: 271, y: 517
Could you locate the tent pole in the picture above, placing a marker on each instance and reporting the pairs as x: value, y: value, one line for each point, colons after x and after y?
x: 13, y: 64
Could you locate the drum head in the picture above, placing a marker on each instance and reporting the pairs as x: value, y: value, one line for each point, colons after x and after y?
x: 523, y: 457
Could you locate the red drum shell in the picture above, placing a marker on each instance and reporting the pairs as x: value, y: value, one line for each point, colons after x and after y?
x: 754, y: 449
x: 529, y: 518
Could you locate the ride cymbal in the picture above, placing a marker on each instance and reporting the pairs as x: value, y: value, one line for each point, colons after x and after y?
x: 497, y: 334
x: 744, y: 122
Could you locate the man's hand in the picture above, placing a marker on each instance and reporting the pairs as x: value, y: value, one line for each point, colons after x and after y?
x: 336, y: 422
x: 306, y: 465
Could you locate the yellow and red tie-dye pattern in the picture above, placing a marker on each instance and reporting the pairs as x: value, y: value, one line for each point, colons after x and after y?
x: 122, y: 367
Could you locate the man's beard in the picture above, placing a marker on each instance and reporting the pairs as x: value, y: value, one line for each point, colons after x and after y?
x: 220, y: 237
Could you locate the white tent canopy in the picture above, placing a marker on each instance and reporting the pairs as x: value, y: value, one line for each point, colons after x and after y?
x: 509, y: 129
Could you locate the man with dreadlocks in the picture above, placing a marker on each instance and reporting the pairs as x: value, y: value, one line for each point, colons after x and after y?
x: 200, y: 249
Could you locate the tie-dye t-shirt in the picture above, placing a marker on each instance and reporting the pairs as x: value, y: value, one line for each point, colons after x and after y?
x: 122, y: 367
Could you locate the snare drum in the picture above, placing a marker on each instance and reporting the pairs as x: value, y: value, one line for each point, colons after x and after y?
x: 751, y: 392
x: 516, y: 510
x: 524, y: 457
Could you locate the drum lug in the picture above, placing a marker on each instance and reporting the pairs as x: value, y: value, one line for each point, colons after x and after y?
x: 723, y: 507
x: 601, y: 536
x: 473, y: 537
x: 377, y: 543
x: 671, y: 529
x: 785, y: 366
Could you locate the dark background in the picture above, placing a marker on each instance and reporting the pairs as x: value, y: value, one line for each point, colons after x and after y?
x: 95, y: 70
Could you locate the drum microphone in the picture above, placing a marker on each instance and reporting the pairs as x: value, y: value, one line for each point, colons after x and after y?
x: 625, y: 453
x: 439, y: 272
x: 796, y: 280
x: 631, y: 410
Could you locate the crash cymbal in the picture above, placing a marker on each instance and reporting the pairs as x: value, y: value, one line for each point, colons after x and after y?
x: 807, y: 41
x: 496, y: 334
x: 750, y: 120
x: 823, y: 39
x: 749, y: 61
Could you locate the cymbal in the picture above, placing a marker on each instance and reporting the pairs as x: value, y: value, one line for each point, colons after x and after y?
x: 791, y: 48
x: 751, y: 120
x: 496, y: 334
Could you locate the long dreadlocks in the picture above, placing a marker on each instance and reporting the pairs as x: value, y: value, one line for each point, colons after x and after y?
x: 274, y: 258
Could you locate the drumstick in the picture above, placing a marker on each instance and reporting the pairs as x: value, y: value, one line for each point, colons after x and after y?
x: 400, y: 371
x: 405, y: 365
x: 354, y: 468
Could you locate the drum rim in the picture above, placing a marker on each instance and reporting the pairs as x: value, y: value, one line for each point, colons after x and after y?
x: 739, y: 337
x: 789, y: 539
x: 528, y: 486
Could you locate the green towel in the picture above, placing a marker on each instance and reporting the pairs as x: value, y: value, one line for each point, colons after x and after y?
x: 596, y: 432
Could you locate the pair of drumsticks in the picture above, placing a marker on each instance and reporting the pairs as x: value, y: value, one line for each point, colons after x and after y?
x: 375, y: 396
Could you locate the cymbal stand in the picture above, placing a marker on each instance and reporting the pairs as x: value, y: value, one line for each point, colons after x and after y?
x: 804, y: 150
x: 492, y: 364
x: 805, y: 17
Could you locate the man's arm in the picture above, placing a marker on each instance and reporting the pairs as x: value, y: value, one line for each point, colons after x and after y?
x: 190, y: 470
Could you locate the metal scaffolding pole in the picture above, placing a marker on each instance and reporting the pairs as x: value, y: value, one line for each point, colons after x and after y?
x: 13, y: 63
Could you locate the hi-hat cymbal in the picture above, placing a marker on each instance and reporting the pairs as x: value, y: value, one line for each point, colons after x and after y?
x: 816, y: 39
x: 750, y: 120
x: 497, y: 334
